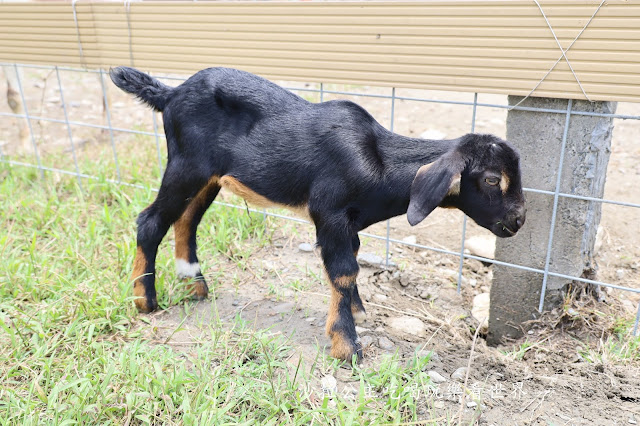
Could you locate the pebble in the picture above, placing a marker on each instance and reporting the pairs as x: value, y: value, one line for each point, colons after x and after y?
x: 471, y: 404
x: 366, y: 341
x: 473, y: 282
x: 459, y: 374
x: 379, y: 330
x: 235, y: 303
x: 329, y: 384
x: 407, y: 324
x: 436, y: 377
x: 620, y: 273
x: 379, y: 297
x: 361, y: 330
x: 432, y: 134
x: 480, y: 309
x: 632, y: 420
x: 284, y: 307
x: 311, y: 319
x: 372, y: 260
x: 425, y: 295
x: 386, y: 344
x: 433, y: 356
x: 306, y: 247
x: 438, y: 404
x: 411, y: 239
x: 482, y: 245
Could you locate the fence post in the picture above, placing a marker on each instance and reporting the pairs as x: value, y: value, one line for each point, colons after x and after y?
x: 559, y: 233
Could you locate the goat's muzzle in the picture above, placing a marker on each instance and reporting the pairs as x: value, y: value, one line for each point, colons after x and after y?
x: 511, y: 223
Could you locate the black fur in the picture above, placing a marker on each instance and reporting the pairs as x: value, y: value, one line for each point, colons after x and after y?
x: 332, y: 157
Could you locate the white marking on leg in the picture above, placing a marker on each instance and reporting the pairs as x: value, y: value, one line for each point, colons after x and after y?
x: 186, y: 269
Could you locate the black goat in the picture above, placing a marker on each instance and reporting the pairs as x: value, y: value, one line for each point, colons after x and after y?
x: 332, y: 161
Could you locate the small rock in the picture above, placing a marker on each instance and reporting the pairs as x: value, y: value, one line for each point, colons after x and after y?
x: 267, y: 264
x: 438, y: 404
x: 235, y: 303
x: 379, y: 330
x: 411, y: 239
x: 632, y: 420
x: 329, y: 384
x: 386, y: 344
x: 361, y: 330
x: 572, y: 312
x: 366, y: 341
x: 480, y: 309
x: 370, y: 259
x: 305, y: 247
x: 459, y: 374
x: 436, y: 377
x: 425, y: 295
x: 473, y: 282
x: 379, y: 297
x: 310, y: 319
x: 433, y: 356
x: 433, y: 134
x: 483, y: 246
x: 472, y: 404
x: 620, y: 273
x: 284, y: 307
x: 407, y: 324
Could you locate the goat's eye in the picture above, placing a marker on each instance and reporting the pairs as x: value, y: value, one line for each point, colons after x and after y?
x: 493, y: 181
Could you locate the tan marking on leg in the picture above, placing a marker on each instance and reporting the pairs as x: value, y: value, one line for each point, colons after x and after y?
x: 182, y: 227
x: 504, y: 183
x: 345, y: 281
x: 139, y: 267
x: 341, y: 348
x: 234, y: 185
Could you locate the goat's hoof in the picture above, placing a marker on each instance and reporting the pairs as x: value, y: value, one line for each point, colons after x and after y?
x: 198, y: 289
x: 342, y: 348
x: 144, y: 306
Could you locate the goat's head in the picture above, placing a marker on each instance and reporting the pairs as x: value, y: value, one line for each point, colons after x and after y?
x: 481, y: 177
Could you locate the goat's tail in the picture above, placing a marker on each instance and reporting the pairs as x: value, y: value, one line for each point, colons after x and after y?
x: 146, y: 88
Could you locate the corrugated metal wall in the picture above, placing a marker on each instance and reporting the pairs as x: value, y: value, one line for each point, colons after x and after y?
x: 479, y: 46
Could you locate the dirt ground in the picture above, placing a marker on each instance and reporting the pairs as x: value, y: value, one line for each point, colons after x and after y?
x: 550, y: 381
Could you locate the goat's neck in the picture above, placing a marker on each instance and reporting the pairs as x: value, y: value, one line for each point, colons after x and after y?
x: 403, y: 156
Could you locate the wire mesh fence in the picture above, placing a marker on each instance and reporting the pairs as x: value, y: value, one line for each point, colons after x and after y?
x: 67, y: 112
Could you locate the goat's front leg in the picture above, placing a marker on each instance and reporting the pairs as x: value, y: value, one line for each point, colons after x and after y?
x: 342, y: 269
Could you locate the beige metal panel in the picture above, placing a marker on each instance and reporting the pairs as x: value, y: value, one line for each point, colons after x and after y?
x: 486, y: 46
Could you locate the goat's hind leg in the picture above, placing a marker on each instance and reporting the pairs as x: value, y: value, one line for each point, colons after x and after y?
x: 357, y: 307
x: 187, y: 265
x: 153, y: 223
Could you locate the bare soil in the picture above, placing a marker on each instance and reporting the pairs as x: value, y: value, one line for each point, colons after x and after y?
x: 550, y: 382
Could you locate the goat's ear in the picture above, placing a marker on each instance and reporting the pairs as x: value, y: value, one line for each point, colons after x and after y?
x: 432, y: 184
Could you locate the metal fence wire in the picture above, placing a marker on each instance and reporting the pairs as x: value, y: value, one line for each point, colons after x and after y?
x: 108, y: 127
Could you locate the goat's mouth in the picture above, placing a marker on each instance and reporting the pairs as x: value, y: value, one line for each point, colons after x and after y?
x: 503, y: 231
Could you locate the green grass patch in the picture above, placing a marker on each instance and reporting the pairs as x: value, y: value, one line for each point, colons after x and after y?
x: 73, y: 350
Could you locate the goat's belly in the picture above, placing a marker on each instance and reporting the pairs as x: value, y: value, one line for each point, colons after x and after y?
x: 253, y: 198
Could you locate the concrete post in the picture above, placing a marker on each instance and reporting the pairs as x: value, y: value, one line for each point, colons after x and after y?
x: 515, y: 294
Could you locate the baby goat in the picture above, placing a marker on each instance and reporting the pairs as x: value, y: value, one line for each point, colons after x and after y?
x: 331, y: 160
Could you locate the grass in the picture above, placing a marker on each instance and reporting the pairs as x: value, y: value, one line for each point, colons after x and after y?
x: 73, y: 350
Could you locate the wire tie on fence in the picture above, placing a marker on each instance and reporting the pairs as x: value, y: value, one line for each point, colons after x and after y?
x: 564, y: 51
x: 127, y: 5
x: 83, y: 62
